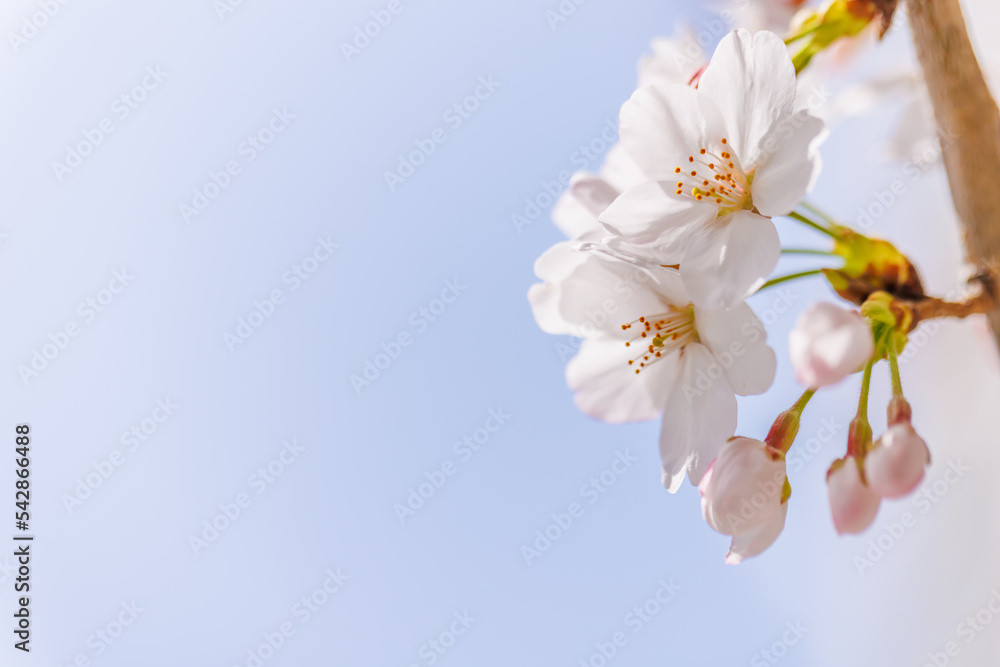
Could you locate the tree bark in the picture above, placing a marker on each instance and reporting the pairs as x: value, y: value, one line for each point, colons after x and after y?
x: 967, y: 113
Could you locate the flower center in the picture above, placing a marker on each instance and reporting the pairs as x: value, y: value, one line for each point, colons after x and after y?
x: 661, y: 334
x: 716, y: 176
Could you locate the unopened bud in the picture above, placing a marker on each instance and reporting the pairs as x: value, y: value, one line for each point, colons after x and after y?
x: 899, y: 411
x: 859, y: 438
x: 853, y: 504
x: 895, y: 467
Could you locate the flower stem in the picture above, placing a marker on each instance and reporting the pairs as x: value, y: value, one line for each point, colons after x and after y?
x: 812, y: 223
x: 859, y: 436
x: 897, y: 382
x: 803, y: 401
x: 791, y: 39
x: 866, y: 381
x: 816, y: 211
x: 794, y: 276
x: 808, y: 251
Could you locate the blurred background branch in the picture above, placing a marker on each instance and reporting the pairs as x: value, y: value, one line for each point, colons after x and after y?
x: 964, y: 107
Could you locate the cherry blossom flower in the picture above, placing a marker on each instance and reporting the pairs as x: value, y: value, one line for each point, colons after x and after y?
x: 722, y: 159
x: 773, y: 15
x: 577, y: 210
x: 744, y: 495
x: 648, y: 350
x: 852, y: 503
x: 829, y: 343
x: 674, y: 61
x: 896, y: 466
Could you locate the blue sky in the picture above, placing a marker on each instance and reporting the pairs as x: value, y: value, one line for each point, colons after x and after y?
x: 300, y: 469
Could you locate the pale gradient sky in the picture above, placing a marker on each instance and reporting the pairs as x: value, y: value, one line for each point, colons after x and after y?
x: 321, y: 182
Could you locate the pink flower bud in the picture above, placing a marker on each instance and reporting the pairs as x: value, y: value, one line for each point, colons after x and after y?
x: 852, y: 504
x: 829, y: 343
x: 752, y: 543
x: 742, y: 491
x: 896, y: 466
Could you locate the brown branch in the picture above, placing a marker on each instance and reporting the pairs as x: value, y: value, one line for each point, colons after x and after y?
x: 982, y: 301
x: 964, y: 107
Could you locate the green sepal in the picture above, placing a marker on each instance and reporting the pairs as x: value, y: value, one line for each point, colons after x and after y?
x: 871, y: 265
x: 816, y: 29
x: 890, y: 321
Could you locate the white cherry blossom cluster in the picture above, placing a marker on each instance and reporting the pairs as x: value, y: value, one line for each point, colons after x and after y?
x: 667, y: 242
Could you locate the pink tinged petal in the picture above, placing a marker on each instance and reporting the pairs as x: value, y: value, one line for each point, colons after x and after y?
x: 853, y: 504
x: 587, y: 295
x: 751, y: 79
x: 661, y: 126
x: 739, y: 342
x: 607, y: 388
x: 699, y: 417
x: 829, y: 343
x: 896, y: 466
x: 656, y: 221
x: 745, y: 488
x: 731, y: 261
x: 755, y: 542
x: 595, y: 193
x: 789, y: 164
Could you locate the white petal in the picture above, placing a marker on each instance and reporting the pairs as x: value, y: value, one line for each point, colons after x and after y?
x: 662, y: 125
x: 789, y: 164
x: 673, y: 61
x: 589, y: 295
x: 739, y: 342
x: 751, y: 79
x: 554, y: 266
x: 572, y: 216
x: 607, y: 388
x: 657, y: 221
x: 733, y: 260
x: 751, y: 544
x: 620, y: 170
x: 699, y: 417
x: 558, y: 262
